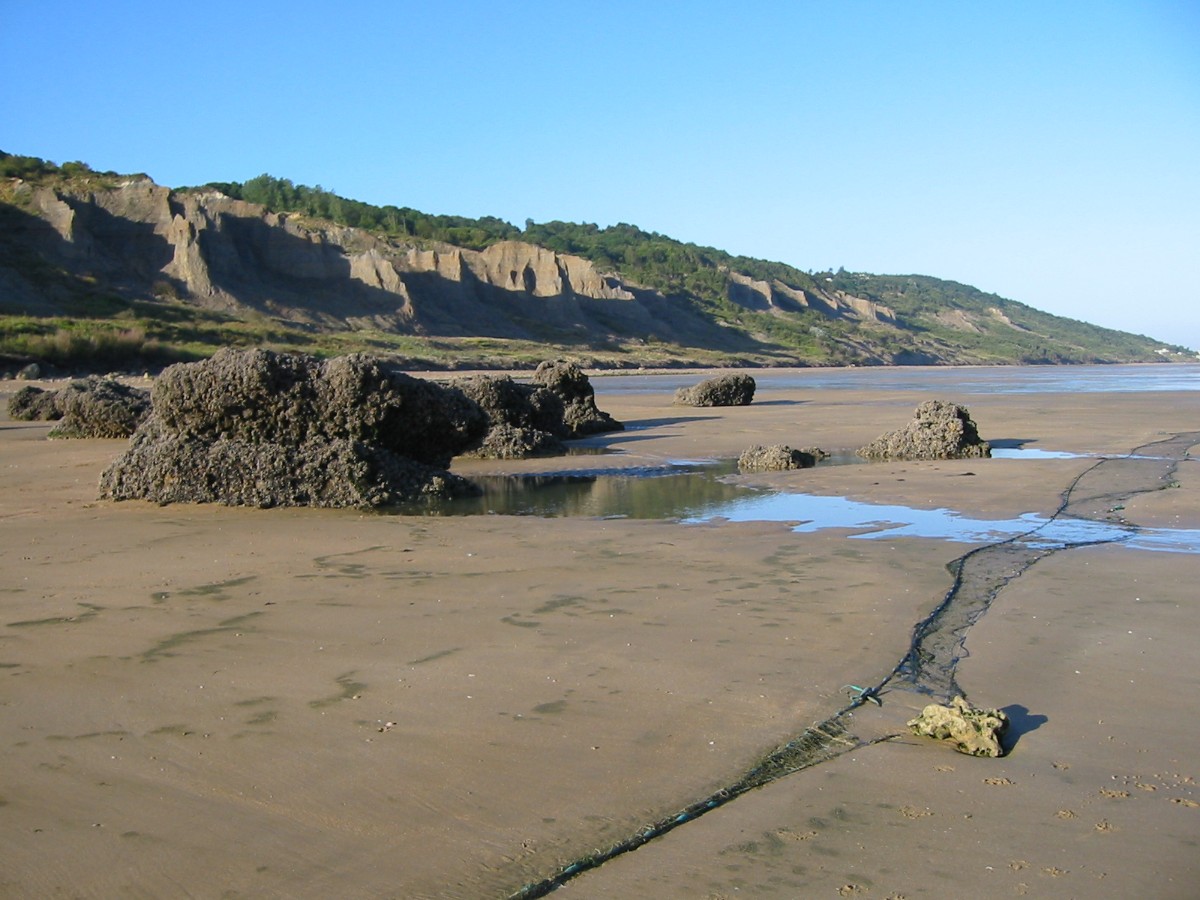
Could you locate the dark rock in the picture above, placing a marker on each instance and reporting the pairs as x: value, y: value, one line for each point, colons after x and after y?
x: 938, y: 430
x: 571, y: 385
x: 30, y: 372
x: 725, y: 390
x: 524, y: 419
x: 778, y: 457
x: 510, y: 442
x: 976, y: 732
x: 100, y: 408
x: 33, y: 404
x: 258, y: 428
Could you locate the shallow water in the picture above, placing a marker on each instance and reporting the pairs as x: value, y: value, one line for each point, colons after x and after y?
x: 876, y: 521
x: 956, y: 379
x: 696, y: 491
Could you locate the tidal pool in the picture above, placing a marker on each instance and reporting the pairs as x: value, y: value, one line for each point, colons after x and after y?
x: 876, y: 521
x: 699, y: 491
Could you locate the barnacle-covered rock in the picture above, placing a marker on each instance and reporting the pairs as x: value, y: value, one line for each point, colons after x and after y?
x: 937, y: 430
x: 257, y: 428
x: 725, y: 390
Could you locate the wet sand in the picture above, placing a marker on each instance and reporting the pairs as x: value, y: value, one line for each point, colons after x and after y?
x: 278, y: 703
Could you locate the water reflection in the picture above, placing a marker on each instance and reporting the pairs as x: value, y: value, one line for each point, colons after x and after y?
x: 699, y: 491
x: 678, y: 490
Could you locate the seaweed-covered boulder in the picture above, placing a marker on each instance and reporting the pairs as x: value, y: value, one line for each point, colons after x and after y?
x: 524, y: 420
x: 725, y: 390
x: 34, y: 404
x: 571, y: 385
x: 510, y: 442
x: 778, y: 457
x: 258, y: 428
x: 937, y: 430
x: 100, y: 408
x: 976, y: 732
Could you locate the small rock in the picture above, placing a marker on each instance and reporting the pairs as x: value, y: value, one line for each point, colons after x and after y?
x: 938, y: 430
x: 100, y: 408
x: 726, y: 390
x: 34, y: 404
x: 778, y: 457
x: 976, y: 732
x: 571, y: 385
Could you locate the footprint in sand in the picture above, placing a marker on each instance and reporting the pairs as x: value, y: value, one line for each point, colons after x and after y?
x: 1183, y: 801
x: 848, y: 890
x: 1000, y: 781
x: 1113, y: 795
x: 795, y: 835
x: 1066, y: 814
x: 1105, y: 825
x: 911, y: 812
x: 1055, y: 871
x: 1018, y: 864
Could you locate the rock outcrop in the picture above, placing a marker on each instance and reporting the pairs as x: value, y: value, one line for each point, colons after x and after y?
x: 256, y: 428
x: 145, y: 241
x: 100, y: 408
x: 774, y: 295
x: 938, y: 430
x: 524, y: 420
x: 725, y: 390
x: 89, y: 408
x: 976, y: 732
x: 571, y: 385
x: 34, y: 404
x: 778, y: 457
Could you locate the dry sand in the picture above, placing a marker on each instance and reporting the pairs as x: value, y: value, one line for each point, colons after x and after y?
x: 212, y: 702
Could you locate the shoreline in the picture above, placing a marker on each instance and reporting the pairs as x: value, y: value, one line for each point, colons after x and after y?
x: 311, y: 702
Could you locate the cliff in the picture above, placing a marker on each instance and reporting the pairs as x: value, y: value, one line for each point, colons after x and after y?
x: 72, y: 246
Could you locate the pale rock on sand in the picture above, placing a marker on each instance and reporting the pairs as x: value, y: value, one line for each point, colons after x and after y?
x: 976, y: 732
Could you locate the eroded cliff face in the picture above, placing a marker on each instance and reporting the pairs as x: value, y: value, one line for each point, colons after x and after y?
x: 142, y: 241
x: 208, y: 249
x: 776, y: 296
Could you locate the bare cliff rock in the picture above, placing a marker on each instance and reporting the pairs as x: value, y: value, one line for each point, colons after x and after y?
x: 142, y: 241
x: 775, y: 296
x: 228, y: 255
x: 74, y: 242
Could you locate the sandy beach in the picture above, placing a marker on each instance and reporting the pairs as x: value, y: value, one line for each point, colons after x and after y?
x: 215, y: 702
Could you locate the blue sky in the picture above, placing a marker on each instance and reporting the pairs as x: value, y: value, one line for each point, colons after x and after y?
x: 1047, y: 152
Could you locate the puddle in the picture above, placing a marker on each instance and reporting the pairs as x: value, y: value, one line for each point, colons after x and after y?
x: 881, y: 521
x: 1034, y: 453
x: 675, y: 490
x: 694, y: 491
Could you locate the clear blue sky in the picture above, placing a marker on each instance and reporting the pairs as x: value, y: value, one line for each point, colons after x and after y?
x: 1045, y: 151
